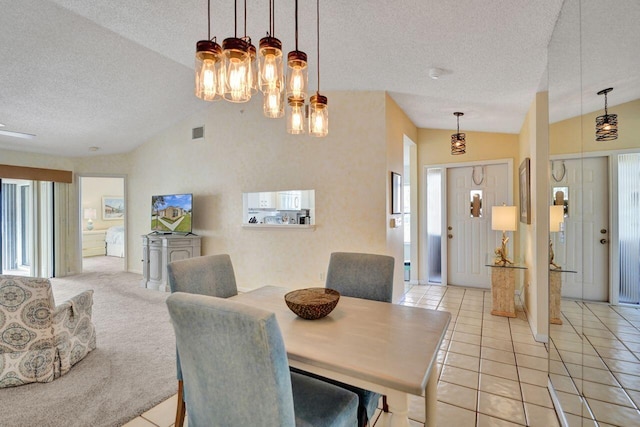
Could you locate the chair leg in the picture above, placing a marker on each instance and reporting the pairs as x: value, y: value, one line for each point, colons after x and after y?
x: 385, y: 405
x: 181, y: 410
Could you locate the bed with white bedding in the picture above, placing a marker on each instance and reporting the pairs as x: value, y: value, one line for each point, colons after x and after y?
x: 115, y: 241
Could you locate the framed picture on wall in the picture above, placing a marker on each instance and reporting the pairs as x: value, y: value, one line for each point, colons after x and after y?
x: 112, y: 207
x: 396, y: 193
x: 525, y: 191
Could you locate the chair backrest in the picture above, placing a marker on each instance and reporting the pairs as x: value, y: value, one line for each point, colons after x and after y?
x: 210, y: 275
x: 234, y: 363
x: 358, y: 275
x: 26, y: 312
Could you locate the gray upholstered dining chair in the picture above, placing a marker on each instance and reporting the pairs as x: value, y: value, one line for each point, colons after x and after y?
x: 366, y: 276
x: 236, y: 372
x: 210, y: 275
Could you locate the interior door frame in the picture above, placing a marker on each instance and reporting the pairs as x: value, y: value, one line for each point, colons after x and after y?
x: 78, y: 180
x: 444, y: 266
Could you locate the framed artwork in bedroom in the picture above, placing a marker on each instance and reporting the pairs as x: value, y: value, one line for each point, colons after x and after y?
x: 112, y: 207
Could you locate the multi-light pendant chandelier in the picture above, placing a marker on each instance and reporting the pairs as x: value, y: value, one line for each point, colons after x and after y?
x: 236, y: 70
x: 458, y: 142
x: 606, y: 125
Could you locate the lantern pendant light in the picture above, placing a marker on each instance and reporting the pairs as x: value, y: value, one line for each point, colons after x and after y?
x: 297, y: 72
x: 295, y: 116
x: 318, y: 110
x: 606, y: 125
x: 237, y: 63
x: 208, y: 63
x: 458, y: 140
x: 271, y: 74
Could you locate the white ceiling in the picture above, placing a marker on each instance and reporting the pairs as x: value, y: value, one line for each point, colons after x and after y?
x: 111, y: 74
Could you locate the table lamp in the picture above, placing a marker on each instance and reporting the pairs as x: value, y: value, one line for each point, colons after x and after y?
x: 89, y: 215
x: 556, y: 224
x: 503, y: 218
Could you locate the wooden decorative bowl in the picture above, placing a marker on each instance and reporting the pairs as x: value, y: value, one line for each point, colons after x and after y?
x: 312, y: 303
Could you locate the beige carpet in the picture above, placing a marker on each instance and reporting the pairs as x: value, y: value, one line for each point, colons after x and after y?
x: 131, y: 370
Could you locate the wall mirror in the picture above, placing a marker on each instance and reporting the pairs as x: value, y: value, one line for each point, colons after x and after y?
x: 594, y: 349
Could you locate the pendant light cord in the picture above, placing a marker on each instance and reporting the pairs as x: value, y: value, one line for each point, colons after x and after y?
x: 235, y: 19
x: 270, y: 34
x: 209, y: 19
x: 245, y: 19
x: 606, y: 113
x: 296, y: 25
x: 458, y: 122
x: 318, y: 41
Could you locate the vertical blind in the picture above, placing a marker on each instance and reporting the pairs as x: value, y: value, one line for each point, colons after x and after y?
x: 9, y: 229
x: 629, y: 226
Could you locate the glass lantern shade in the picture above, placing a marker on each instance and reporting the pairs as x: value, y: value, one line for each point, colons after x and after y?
x: 297, y: 75
x: 270, y: 64
x: 237, y: 66
x: 273, y: 103
x: 253, y: 70
x: 295, y: 116
x: 318, y: 116
x: 207, y: 70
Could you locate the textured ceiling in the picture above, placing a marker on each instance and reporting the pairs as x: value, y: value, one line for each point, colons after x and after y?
x: 82, y: 73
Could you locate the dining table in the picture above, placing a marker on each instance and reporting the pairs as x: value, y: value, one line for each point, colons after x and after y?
x: 387, y: 348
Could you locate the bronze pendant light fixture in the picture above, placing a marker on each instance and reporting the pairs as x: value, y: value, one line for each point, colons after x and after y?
x: 606, y: 125
x: 458, y: 140
x: 271, y: 70
x: 318, y: 110
x: 237, y: 63
x: 296, y: 87
x: 208, y: 61
x: 297, y: 71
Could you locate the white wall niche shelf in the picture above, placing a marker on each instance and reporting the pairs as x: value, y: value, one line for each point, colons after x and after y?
x: 301, y: 227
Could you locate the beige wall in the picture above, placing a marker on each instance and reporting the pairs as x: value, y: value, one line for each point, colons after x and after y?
x: 245, y: 152
x: 398, y: 126
x: 534, y: 237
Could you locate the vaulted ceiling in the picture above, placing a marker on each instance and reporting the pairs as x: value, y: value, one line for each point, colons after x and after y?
x: 82, y: 73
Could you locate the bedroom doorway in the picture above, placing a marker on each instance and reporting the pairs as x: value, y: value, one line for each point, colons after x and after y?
x: 102, y: 223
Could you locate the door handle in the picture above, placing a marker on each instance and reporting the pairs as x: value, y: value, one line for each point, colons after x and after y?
x: 603, y: 241
x: 450, y: 236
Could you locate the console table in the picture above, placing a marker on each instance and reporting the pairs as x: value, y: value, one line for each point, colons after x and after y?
x: 555, y: 294
x: 503, y: 284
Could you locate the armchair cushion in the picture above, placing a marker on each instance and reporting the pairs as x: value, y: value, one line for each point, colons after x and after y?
x: 34, y: 335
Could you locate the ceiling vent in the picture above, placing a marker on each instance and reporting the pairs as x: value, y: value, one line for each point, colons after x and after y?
x: 197, y: 133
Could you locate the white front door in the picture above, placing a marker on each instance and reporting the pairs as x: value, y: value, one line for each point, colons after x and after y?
x: 470, y: 240
x: 586, y: 246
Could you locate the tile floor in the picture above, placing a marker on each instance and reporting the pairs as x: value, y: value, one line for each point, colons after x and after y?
x: 492, y: 371
x: 597, y: 351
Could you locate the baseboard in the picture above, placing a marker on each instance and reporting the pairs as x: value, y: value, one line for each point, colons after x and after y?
x: 245, y: 290
x: 556, y: 404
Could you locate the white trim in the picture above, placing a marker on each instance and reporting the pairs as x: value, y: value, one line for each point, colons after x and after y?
x: 557, y: 405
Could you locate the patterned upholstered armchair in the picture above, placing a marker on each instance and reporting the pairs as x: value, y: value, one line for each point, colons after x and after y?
x: 39, y: 341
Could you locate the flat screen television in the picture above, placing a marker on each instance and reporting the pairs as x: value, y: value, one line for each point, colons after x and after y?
x: 172, y: 213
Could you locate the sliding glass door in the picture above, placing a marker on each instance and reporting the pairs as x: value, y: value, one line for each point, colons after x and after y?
x: 26, y: 223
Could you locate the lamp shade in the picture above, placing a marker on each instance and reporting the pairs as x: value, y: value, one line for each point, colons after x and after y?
x: 89, y: 213
x: 504, y: 218
x: 556, y: 217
